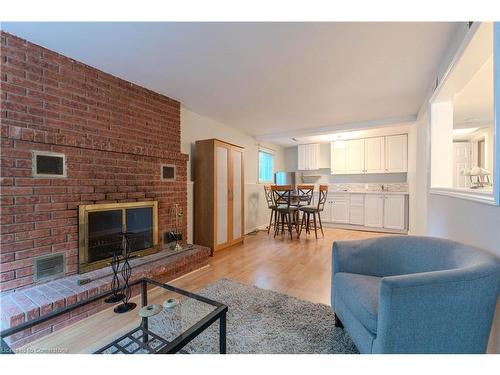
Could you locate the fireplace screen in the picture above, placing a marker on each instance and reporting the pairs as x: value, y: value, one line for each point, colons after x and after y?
x: 102, y: 226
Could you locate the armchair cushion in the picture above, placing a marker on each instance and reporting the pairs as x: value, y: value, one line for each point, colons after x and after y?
x: 360, y: 294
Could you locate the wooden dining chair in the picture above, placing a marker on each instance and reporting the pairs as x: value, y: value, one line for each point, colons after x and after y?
x: 282, y: 196
x: 271, y: 205
x: 305, y: 197
x: 314, y: 210
x: 305, y: 194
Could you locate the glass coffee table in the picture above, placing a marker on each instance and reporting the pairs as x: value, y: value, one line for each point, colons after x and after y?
x: 185, y: 317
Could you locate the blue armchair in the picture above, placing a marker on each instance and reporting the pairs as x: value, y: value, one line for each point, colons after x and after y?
x: 411, y: 294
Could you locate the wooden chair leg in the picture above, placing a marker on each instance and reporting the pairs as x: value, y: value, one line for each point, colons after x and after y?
x: 302, y: 221
x: 308, y: 228
x: 289, y: 222
x: 320, y: 224
x: 297, y: 218
x: 270, y: 221
x: 276, y: 223
x: 315, y: 228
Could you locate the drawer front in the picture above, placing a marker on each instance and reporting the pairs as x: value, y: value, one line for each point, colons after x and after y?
x: 357, y: 199
x: 339, y: 197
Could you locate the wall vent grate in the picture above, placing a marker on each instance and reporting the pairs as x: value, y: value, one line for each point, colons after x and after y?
x: 168, y: 172
x: 48, y: 267
x: 48, y: 164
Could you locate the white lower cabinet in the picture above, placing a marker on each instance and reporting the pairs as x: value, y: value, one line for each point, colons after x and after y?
x: 357, y: 209
x: 374, y: 210
x: 326, y: 215
x: 394, y: 212
x: 340, y: 208
x: 385, y: 211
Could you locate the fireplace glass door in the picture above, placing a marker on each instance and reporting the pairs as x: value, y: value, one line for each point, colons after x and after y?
x: 105, y: 228
x: 102, y: 227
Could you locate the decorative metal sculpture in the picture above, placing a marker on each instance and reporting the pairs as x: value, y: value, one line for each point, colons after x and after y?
x: 126, y: 272
x: 178, y: 215
x: 115, y: 283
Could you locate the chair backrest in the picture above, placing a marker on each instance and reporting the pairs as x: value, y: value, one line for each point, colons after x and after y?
x: 269, y: 195
x: 281, y: 194
x: 323, y: 194
x: 305, y: 193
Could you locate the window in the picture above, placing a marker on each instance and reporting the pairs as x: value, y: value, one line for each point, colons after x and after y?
x: 463, y: 125
x: 266, y: 166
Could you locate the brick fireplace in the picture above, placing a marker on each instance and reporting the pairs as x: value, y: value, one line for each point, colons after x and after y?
x: 115, y: 137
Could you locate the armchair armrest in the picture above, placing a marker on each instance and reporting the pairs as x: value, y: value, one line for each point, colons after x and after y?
x: 421, y: 312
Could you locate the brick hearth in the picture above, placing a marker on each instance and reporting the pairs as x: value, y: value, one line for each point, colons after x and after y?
x: 30, y: 303
x: 115, y: 135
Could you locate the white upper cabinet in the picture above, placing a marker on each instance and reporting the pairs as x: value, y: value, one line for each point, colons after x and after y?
x: 370, y: 155
x: 309, y: 158
x: 375, y: 155
x: 396, y: 153
x: 301, y: 153
x: 355, y: 156
x: 338, y: 157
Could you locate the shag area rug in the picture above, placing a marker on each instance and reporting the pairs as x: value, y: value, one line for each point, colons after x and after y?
x: 259, y: 321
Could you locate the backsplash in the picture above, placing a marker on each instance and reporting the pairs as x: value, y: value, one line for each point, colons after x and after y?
x: 396, y: 187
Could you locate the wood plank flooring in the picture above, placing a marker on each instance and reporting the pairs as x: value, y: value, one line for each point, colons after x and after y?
x: 300, y: 268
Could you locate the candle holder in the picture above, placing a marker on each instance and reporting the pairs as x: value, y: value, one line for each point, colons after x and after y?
x: 126, y: 273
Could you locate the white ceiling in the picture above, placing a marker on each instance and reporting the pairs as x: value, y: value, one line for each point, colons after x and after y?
x: 264, y: 78
x: 473, y: 105
x: 353, y: 133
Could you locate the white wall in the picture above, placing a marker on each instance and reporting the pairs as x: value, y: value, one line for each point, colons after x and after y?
x: 473, y: 223
x: 418, y: 161
x: 196, y: 127
x: 461, y: 220
x: 442, y: 145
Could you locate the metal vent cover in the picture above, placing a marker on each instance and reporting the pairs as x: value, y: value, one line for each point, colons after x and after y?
x: 48, y: 267
x: 49, y: 164
x: 168, y: 172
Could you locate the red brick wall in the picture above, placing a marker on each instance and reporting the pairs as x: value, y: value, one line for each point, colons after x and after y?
x: 115, y: 136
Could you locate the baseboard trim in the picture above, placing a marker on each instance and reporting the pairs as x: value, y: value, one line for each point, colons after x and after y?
x: 363, y: 228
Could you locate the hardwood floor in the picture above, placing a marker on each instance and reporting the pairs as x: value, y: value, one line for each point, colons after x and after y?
x: 300, y: 268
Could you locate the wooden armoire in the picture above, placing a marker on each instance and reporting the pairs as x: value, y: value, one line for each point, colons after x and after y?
x: 218, y: 194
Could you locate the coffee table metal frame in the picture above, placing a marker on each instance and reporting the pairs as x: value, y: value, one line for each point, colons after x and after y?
x: 141, y: 335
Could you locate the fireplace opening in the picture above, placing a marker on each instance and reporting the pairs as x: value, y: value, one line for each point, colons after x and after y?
x: 101, y: 228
